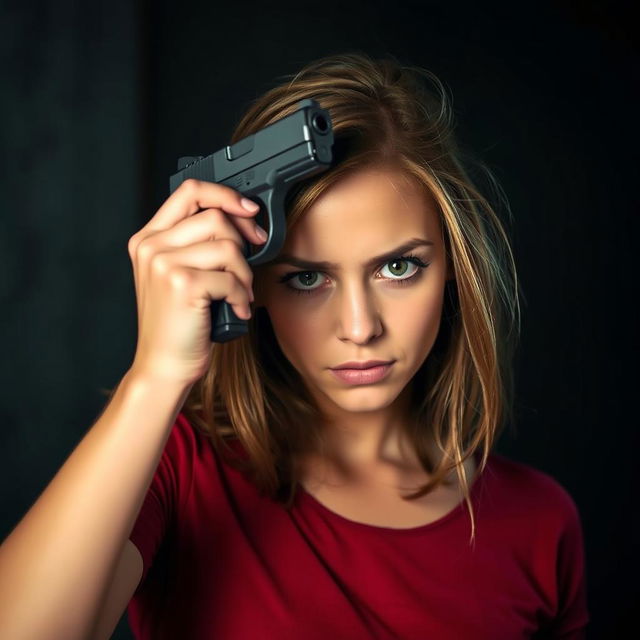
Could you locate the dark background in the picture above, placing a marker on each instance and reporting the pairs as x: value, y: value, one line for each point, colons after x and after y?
x: 100, y: 99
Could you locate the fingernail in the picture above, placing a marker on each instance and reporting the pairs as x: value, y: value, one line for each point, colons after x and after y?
x: 249, y: 205
x: 262, y: 234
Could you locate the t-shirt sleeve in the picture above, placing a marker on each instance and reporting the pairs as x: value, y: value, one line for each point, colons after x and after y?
x: 162, y: 499
x: 572, y: 617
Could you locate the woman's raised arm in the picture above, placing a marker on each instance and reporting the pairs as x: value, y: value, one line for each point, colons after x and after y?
x: 58, y: 565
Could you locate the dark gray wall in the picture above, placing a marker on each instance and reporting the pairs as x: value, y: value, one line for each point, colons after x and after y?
x: 70, y: 189
x: 99, y: 102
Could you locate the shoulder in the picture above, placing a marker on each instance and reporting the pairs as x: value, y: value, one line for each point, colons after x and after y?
x: 525, y: 487
x: 186, y: 449
x: 183, y: 438
x: 190, y: 447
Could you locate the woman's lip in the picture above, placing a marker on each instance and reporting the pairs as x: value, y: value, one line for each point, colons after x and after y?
x: 377, y: 364
x: 362, y: 376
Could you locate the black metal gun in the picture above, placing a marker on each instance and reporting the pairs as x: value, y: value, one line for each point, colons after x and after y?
x: 264, y: 166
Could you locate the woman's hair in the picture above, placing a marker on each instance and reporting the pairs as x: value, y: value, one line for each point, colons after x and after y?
x: 383, y: 114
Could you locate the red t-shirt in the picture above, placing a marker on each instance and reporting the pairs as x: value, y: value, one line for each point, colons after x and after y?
x: 222, y: 562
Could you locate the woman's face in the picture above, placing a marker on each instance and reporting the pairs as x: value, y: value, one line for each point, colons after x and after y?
x: 357, y: 309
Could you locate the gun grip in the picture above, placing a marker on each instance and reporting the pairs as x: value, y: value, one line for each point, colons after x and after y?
x: 225, y: 324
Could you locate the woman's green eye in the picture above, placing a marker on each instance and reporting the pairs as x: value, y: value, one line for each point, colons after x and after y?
x: 309, y: 278
x: 399, y: 261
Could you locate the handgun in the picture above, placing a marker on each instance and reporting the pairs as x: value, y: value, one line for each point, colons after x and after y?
x: 263, y: 167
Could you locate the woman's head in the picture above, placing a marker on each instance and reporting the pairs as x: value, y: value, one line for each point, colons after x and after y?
x: 397, y: 174
x: 367, y: 302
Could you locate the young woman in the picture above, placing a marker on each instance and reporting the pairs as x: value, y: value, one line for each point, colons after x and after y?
x: 331, y: 474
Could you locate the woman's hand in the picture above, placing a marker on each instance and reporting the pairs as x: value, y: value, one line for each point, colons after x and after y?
x: 181, y: 263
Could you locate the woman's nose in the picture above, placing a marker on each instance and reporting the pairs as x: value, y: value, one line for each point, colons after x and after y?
x: 358, y: 315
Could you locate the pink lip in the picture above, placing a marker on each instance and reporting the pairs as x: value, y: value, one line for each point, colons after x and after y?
x: 362, y: 365
x: 362, y: 376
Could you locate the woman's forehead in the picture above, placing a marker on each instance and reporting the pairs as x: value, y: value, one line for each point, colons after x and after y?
x: 368, y: 203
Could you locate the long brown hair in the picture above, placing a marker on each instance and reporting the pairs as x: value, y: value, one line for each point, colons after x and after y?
x: 382, y: 112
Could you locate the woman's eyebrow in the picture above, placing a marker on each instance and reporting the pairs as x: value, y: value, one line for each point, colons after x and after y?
x: 325, y: 266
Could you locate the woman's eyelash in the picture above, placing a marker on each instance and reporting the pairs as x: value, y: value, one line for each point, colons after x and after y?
x: 402, y: 282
